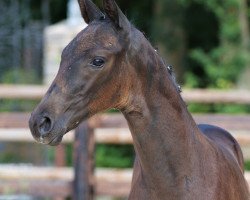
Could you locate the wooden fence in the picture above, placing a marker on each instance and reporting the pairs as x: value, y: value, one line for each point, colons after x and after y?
x: 83, y: 181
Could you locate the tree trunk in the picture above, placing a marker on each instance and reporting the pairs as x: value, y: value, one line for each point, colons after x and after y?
x: 243, y: 20
x: 244, y: 81
x: 168, y: 33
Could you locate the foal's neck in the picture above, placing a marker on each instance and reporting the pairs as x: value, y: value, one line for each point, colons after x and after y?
x: 163, y: 131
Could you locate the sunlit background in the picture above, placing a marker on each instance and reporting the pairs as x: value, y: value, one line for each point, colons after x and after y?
x: 206, y: 41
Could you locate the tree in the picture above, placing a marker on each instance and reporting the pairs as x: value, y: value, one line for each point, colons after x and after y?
x: 224, y: 63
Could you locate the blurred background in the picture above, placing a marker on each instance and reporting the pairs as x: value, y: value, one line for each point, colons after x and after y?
x: 207, y: 42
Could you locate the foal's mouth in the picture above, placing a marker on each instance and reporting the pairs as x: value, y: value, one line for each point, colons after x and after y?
x: 52, y: 141
x: 56, y: 141
x: 53, y: 137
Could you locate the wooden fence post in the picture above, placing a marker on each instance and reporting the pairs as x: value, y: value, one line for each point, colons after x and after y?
x: 83, y: 186
x: 60, y: 156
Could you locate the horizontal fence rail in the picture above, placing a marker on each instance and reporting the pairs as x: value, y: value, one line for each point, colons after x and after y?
x: 113, y: 128
x: 194, y: 95
x: 54, y: 181
x: 31, y: 92
x: 232, y: 122
x: 57, y: 181
x: 102, y: 136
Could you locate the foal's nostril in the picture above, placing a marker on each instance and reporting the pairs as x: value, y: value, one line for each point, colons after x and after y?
x: 45, y: 125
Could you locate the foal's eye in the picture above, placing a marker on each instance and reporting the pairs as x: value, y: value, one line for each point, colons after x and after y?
x: 98, y: 62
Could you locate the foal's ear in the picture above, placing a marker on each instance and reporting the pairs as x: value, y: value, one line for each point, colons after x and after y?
x: 90, y: 11
x: 115, y: 14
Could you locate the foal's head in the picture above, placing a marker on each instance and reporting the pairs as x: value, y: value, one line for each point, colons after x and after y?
x: 94, y: 73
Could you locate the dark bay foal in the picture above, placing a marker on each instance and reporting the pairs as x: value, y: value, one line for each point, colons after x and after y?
x: 110, y: 64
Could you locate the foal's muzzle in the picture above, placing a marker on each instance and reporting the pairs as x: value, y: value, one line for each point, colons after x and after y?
x: 41, y: 127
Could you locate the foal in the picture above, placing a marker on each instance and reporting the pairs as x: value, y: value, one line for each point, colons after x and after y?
x: 110, y: 64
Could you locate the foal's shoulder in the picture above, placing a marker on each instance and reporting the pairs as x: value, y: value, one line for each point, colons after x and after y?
x: 224, y: 140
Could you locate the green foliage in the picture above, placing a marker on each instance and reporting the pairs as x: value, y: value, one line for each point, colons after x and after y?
x: 114, y: 156
x: 222, y: 64
x: 117, y: 156
x: 17, y: 105
x: 20, y: 76
x: 247, y: 165
x: 10, y: 157
x: 20, y: 153
x: 69, y: 154
x: 218, y: 108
